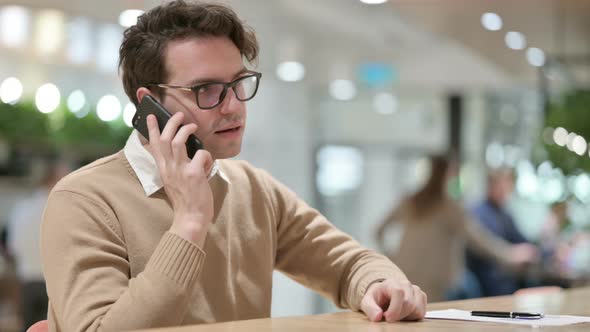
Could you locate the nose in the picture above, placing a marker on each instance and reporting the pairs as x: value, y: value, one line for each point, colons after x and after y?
x: 231, y: 104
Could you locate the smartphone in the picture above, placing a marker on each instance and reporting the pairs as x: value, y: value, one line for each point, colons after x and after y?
x: 149, y: 105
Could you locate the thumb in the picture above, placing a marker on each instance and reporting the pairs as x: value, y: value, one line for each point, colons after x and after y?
x: 372, y: 309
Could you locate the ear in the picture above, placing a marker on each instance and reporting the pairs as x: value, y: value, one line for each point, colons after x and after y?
x: 142, y: 92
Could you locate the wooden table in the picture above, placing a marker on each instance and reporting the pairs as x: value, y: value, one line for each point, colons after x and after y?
x: 567, y: 302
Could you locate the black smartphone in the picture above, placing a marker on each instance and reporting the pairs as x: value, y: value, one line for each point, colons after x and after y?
x: 149, y: 105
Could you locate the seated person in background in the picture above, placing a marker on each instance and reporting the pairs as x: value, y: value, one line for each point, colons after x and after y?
x: 491, y: 214
x: 150, y: 238
x: 436, y: 230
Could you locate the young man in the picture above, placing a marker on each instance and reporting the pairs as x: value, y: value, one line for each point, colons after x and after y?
x: 149, y: 238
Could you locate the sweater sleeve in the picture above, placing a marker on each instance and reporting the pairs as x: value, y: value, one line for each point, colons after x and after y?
x: 315, y: 253
x: 86, y: 269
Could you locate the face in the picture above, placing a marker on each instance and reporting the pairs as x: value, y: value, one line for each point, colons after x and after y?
x: 201, y: 60
x: 502, y: 188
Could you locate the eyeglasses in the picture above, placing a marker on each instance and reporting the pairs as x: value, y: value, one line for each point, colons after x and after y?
x: 209, y: 95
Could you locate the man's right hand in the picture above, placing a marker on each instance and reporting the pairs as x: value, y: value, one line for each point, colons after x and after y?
x: 185, y: 180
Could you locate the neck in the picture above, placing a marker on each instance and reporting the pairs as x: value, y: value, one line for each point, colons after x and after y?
x: 495, y: 202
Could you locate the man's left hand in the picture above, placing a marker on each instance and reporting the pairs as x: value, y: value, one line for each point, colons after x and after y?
x: 394, y: 300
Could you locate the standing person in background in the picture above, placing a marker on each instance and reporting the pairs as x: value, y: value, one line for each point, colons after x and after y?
x: 23, y: 244
x: 436, y: 230
x: 492, y: 215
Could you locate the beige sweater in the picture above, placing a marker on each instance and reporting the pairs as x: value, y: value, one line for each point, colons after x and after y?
x: 111, y: 265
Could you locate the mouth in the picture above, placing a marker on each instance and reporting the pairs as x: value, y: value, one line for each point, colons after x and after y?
x: 229, y: 130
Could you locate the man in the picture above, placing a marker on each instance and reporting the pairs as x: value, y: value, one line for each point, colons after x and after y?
x: 493, y: 279
x: 149, y: 238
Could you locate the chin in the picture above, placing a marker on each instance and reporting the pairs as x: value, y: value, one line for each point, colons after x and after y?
x: 230, y: 153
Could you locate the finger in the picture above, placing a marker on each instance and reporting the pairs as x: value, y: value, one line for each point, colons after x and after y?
x: 409, y: 304
x: 373, y: 311
x: 172, y: 127
x: 396, y: 300
x: 179, y: 141
x: 421, y: 301
x: 203, y: 161
x: 153, y: 130
x: 154, y: 137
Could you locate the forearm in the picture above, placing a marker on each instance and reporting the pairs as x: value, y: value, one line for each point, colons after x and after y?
x: 485, y: 243
x: 101, y: 299
x: 86, y: 264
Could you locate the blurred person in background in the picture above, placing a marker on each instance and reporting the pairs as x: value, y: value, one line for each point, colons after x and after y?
x: 10, y: 315
x: 23, y: 244
x: 436, y: 230
x: 569, y: 245
x: 150, y: 238
x: 556, y: 227
x: 492, y: 215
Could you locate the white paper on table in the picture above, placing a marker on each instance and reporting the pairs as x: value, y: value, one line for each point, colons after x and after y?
x: 547, y: 320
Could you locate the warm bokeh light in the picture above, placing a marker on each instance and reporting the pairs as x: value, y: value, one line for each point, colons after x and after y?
x: 76, y: 101
x: 129, y: 17
x: 47, y: 98
x: 49, y: 31
x: 108, y: 108
x: 560, y: 136
x: 128, y: 113
x: 11, y: 90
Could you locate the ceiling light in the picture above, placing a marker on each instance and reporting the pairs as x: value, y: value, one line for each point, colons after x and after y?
x: 491, y: 21
x: 291, y: 71
x: 373, y: 2
x: 129, y: 17
x: 385, y: 103
x: 342, y: 90
x: 515, y: 40
x: 535, y: 56
x: 14, y: 25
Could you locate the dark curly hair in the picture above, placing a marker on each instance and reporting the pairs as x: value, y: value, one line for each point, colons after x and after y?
x: 141, y: 55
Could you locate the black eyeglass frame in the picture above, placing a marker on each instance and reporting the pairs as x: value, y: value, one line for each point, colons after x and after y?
x: 195, y: 88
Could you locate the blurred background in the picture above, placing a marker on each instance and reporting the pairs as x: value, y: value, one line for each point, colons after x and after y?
x: 354, y: 96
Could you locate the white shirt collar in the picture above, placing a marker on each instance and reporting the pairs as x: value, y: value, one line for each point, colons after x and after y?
x: 144, y: 165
